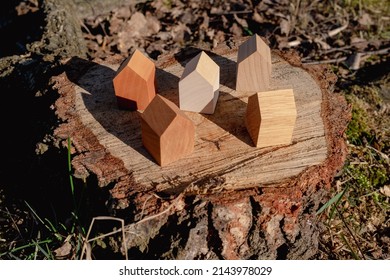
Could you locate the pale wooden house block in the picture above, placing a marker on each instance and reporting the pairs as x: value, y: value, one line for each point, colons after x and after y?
x: 167, y: 133
x: 199, y: 85
x: 134, y: 83
x: 253, y: 65
x: 270, y: 117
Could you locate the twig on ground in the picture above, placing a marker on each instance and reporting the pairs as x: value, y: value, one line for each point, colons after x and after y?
x: 363, y: 55
x: 336, y: 31
x: 14, y: 223
x: 231, y: 12
x: 86, y: 246
x: 326, y: 61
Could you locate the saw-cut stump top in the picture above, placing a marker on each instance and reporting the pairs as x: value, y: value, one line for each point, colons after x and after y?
x: 227, y: 199
x: 223, y: 147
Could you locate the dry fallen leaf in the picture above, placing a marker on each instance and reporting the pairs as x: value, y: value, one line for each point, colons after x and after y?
x: 385, y: 190
x: 116, y: 25
x: 125, y: 42
x: 285, y: 27
x: 258, y: 18
x: 178, y: 32
x: 123, y: 12
x: 137, y: 24
x: 64, y: 250
x: 153, y: 25
x: 241, y: 21
x: 365, y: 20
x: 236, y: 30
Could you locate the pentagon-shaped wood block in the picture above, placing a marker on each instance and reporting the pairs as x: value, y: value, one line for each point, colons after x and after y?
x: 167, y: 133
x: 134, y: 83
x: 270, y: 117
x: 199, y: 85
x: 253, y: 65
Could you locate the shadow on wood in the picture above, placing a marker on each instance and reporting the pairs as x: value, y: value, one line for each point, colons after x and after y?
x: 231, y: 116
x: 103, y: 107
x: 169, y: 88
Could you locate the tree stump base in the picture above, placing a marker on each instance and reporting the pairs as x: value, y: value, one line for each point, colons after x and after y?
x: 229, y: 199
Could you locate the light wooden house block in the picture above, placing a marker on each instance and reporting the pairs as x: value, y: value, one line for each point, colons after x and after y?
x: 270, y: 117
x: 253, y: 65
x: 134, y: 83
x: 199, y: 85
x: 167, y: 133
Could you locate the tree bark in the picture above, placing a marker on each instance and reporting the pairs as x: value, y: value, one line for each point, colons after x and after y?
x: 229, y: 199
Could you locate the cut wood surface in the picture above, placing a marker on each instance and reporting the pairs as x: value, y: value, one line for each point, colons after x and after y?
x: 223, y: 147
x: 228, y: 199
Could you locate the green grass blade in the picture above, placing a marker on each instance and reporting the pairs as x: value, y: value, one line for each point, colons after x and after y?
x: 250, y: 33
x: 26, y: 246
x: 70, y: 168
x: 36, y: 248
x: 46, y: 254
x: 53, y: 229
x: 72, y: 183
x: 38, y: 217
x: 354, y: 255
x: 12, y: 256
x: 334, y: 199
x: 34, y: 213
x: 63, y: 227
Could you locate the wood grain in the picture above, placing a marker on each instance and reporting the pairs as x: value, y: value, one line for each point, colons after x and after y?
x: 270, y: 117
x: 199, y: 85
x: 161, y: 123
x: 253, y: 65
x: 134, y: 83
x: 223, y: 148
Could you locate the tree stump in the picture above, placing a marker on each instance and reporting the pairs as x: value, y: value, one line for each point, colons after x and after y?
x: 228, y: 199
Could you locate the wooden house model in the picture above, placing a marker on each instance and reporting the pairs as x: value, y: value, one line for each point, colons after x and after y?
x: 167, y: 133
x: 134, y: 82
x: 270, y: 117
x: 199, y: 85
x: 253, y: 65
